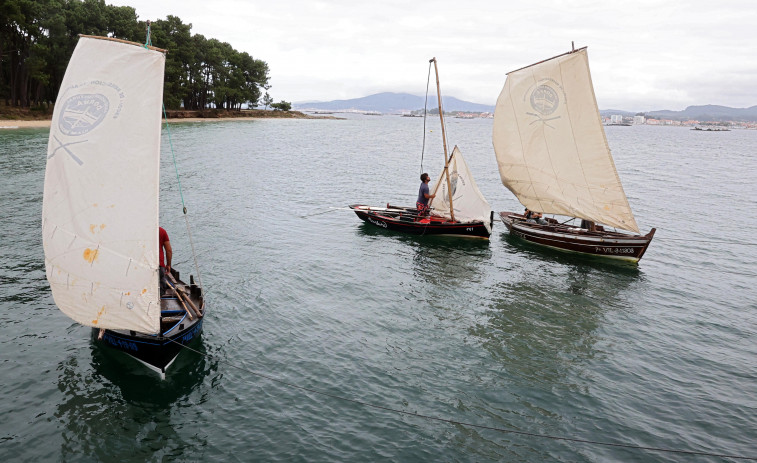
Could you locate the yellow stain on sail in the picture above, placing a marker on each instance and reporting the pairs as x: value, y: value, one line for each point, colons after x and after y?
x: 93, y: 228
x: 99, y: 314
x: 90, y: 255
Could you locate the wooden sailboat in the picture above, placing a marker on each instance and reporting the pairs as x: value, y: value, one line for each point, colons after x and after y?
x: 100, y: 205
x: 553, y: 156
x: 458, y: 209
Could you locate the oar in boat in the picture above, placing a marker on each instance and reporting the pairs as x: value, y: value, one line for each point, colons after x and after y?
x: 361, y: 208
x: 185, y: 294
x: 191, y: 313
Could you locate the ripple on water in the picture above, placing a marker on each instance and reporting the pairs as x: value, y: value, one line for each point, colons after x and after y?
x: 496, y: 333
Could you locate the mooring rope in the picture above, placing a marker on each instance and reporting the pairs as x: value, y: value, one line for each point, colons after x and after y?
x: 463, y: 423
x: 666, y: 238
x: 736, y: 243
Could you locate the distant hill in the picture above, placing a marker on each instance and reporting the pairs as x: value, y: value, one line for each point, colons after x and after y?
x: 698, y: 113
x: 709, y: 113
x: 611, y: 112
x: 388, y: 102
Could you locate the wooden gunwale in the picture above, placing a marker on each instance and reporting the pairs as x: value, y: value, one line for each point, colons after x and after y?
x: 609, y: 244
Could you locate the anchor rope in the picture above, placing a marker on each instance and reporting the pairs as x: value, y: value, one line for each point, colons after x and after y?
x: 463, y: 423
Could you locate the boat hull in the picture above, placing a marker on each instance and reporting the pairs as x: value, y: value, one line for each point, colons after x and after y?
x: 178, y: 329
x: 607, y: 244
x: 405, y: 220
x: 156, y: 351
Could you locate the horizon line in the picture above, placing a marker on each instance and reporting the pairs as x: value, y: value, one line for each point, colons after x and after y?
x: 303, y: 102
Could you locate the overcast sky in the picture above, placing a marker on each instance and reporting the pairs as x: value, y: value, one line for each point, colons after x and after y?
x: 644, y: 54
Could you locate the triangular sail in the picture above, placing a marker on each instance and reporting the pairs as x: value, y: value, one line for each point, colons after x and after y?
x: 550, y: 145
x: 468, y: 202
x: 100, y: 206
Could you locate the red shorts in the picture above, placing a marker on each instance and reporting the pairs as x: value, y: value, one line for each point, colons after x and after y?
x: 422, y: 208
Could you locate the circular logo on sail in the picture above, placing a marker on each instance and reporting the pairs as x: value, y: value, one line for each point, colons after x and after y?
x: 82, y: 113
x: 544, y: 99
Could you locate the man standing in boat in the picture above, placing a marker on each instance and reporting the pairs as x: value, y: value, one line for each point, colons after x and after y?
x: 423, y: 195
x: 165, y: 258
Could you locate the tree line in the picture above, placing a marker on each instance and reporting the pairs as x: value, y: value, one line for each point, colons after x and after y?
x: 37, y: 38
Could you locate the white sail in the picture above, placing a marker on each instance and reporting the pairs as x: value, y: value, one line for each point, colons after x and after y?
x: 468, y: 202
x: 100, y: 206
x: 550, y: 145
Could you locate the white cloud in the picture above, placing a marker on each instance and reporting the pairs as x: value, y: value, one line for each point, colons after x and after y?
x: 645, y: 54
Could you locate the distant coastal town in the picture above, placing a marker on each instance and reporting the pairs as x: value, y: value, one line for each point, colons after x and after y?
x: 409, y: 105
x: 618, y: 119
x: 611, y: 120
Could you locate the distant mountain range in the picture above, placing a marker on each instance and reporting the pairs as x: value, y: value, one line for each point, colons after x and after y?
x: 698, y: 113
x: 389, y: 102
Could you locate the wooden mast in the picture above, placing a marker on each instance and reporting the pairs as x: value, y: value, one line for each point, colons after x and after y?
x: 444, y: 140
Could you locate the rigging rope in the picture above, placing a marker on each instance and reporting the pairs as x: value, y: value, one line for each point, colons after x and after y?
x: 463, y: 423
x: 148, y: 40
x: 425, y: 107
x: 441, y: 118
x: 181, y: 194
x: 148, y: 43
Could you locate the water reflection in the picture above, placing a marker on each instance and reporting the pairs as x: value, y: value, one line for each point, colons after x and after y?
x: 116, y: 407
x: 537, y: 336
x: 439, y: 260
x: 133, y: 379
x: 449, y: 261
x: 544, y: 321
x: 548, y: 255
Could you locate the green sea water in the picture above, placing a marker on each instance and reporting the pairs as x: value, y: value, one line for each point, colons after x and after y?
x: 308, y: 306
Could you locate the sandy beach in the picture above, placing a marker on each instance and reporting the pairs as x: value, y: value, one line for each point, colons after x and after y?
x: 12, y: 124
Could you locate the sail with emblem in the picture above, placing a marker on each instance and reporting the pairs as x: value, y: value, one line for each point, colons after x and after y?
x: 551, y: 148
x: 100, y: 205
x: 469, y: 205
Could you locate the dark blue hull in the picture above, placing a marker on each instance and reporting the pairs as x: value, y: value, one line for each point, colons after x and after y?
x: 157, y: 351
x: 177, y: 329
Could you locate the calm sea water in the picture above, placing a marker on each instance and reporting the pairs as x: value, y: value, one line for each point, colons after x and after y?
x: 499, y: 333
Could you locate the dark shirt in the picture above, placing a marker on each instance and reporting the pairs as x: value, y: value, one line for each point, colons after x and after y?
x: 422, y: 191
